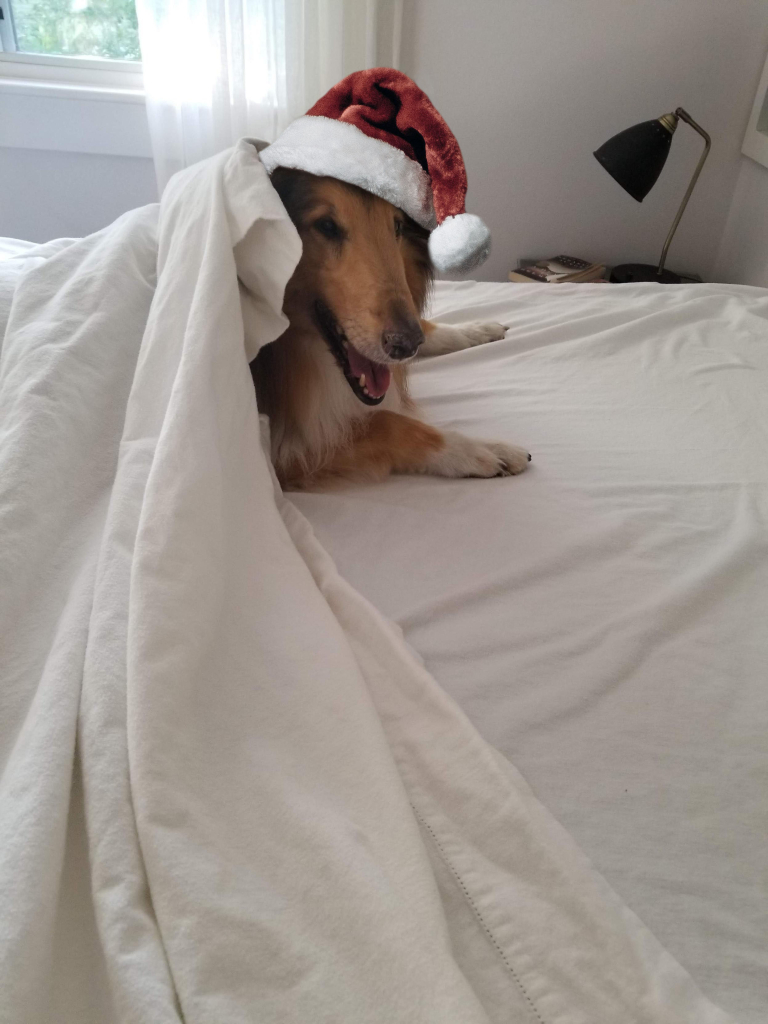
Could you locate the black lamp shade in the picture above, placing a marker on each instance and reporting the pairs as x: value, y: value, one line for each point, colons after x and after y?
x: 636, y: 156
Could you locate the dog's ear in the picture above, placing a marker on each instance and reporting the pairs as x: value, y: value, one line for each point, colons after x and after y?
x: 296, y: 190
x: 419, y: 272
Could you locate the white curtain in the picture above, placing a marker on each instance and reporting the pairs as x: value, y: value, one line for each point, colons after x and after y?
x: 218, y: 70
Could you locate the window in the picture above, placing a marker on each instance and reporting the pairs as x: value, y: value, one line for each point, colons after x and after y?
x: 56, y: 47
x: 101, y: 29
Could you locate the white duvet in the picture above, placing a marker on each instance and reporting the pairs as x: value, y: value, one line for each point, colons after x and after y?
x: 230, y: 792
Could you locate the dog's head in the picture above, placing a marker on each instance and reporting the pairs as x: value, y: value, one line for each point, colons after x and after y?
x: 362, y: 279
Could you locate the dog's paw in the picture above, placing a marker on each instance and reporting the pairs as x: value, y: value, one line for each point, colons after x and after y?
x: 463, y: 456
x: 511, y: 459
x: 444, y: 338
x: 481, y: 332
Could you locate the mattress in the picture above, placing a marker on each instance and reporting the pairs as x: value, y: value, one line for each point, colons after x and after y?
x: 602, y: 618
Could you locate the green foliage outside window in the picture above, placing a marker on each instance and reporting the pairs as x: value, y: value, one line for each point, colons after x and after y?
x: 78, y: 28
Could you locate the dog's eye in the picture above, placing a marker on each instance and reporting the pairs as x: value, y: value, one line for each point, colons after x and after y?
x: 328, y: 228
x: 399, y: 226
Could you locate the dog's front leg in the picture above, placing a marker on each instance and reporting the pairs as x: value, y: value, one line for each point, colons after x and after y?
x: 392, y: 443
x: 440, y: 339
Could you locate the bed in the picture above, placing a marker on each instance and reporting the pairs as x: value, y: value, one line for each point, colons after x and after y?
x: 241, y: 789
x: 602, y: 618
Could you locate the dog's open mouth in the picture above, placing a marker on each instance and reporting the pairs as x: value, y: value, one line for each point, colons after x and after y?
x: 369, y: 380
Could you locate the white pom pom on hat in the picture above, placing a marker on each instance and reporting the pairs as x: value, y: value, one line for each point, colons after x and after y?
x: 460, y: 243
x: 378, y: 130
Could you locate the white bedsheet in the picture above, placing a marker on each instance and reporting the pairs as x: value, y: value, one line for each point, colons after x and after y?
x: 603, y: 619
x: 229, y: 791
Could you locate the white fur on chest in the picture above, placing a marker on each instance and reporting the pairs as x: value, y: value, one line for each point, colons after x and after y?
x: 329, y: 420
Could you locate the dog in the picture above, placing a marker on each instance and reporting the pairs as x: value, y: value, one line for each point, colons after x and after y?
x: 335, y: 384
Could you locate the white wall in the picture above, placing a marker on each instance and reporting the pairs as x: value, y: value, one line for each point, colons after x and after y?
x: 532, y: 87
x: 71, y: 161
x: 50, y: 194
x: 743, y: 255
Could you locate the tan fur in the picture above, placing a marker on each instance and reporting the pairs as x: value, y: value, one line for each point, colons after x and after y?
x: 384, y: 443
x: 374, y: 279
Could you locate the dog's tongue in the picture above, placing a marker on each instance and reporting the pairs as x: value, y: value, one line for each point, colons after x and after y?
x: 377, y: 375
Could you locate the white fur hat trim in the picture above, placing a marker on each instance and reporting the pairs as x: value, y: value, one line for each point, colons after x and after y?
x: 460, y: 243
x: 323, y: 146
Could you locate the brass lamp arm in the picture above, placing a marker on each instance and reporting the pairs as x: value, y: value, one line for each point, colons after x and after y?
x: 680, y: 113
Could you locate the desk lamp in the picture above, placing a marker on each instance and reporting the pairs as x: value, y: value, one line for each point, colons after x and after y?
x: 635, y: 158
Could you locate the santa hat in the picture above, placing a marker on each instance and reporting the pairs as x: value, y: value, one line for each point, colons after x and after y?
x: 378, y: 130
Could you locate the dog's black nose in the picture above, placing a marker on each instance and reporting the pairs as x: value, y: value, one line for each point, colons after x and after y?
x: 402, y: 341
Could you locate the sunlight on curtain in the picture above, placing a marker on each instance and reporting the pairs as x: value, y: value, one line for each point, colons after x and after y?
x: 218, y: 70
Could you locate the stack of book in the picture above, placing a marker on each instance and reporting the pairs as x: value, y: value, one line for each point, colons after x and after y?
x: 559, y: 270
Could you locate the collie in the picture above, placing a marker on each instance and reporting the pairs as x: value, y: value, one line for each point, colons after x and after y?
x: 335, y: 384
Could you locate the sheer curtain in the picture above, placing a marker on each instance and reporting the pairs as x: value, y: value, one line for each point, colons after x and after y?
x: 217, y: 70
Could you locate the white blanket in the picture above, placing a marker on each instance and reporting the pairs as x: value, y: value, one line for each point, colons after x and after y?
x: 287, y: 820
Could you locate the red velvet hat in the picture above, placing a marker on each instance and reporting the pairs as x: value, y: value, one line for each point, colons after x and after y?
x: 378, y: 130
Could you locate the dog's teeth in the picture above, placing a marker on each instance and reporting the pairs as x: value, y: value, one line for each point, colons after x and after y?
x: 362, y: 380
x: 365, y: 391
